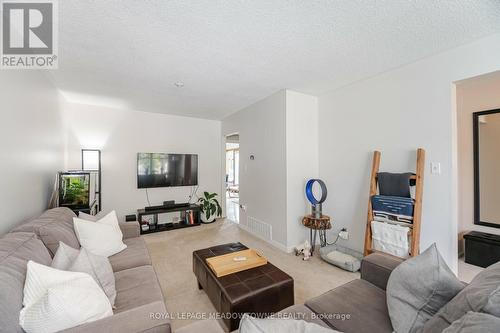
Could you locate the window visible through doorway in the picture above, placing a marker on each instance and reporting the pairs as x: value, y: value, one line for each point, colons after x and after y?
x: 232, y: 178
x: 232, y: 163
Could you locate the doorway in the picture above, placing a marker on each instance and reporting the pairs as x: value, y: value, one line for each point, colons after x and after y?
x: 232, y: 180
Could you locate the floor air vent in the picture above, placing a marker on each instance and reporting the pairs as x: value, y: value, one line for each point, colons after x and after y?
x: 260, y: 228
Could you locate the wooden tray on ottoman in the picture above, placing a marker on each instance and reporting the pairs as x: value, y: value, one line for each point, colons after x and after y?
x: 224, y: 265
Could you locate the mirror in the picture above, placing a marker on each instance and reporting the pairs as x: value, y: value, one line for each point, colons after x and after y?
x: 487, y: 168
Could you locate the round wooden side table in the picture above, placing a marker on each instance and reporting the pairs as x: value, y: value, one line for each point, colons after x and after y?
x: 315, y: 225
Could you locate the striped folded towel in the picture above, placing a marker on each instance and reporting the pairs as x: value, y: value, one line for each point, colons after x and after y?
x: 389, y: 208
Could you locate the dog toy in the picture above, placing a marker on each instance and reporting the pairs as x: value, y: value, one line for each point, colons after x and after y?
x: 304, y: 249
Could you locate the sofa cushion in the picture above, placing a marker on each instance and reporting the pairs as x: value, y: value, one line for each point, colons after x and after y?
x: 472, y: 298
x: 148, y: 318
x: 130, y: 229
x: 16, y: 249
x: 365, y: 310
x: 51, y: 227
x: 136, y: 254
x: 377, y: 267
x: 474, y: 322
x: 418, y: 288
x: 205, y: 326
x: 300, y: 311
x: 493, y: 305
x: 136, y: 287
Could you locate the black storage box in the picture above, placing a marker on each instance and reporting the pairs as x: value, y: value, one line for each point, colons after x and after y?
x: 482, y: 249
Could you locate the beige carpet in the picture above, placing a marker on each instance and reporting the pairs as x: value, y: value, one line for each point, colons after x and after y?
x: 171, y: 253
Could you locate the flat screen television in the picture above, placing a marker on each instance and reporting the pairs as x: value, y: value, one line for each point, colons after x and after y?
x: 165, y: 170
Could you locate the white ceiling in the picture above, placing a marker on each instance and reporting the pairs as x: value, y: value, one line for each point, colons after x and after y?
x: 229, y: 54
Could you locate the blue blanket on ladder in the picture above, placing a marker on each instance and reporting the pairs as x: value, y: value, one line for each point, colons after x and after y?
x: 389, y: 208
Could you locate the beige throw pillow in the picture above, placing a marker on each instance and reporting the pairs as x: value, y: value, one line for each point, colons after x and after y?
x: 72, y: 260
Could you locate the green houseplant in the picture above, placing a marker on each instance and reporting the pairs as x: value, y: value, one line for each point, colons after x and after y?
x: 210, y: 207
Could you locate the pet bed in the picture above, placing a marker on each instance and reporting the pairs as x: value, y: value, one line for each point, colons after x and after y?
x: 342, y: 257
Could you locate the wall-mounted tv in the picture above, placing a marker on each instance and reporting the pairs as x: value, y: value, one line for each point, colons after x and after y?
x: 165, y: 170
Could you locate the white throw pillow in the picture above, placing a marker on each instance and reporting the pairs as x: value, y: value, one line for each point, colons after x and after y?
x: 250, y: 324
x: 56, y: 300
x: 88, y: 217
x: 93, y: 218
x: 70, y: 259
x: 110, y: 219
x: 103, y: 237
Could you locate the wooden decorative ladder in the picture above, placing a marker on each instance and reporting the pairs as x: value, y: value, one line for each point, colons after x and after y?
x: 417, y: 209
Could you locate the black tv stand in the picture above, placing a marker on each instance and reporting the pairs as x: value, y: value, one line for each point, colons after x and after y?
x: 189, y: 216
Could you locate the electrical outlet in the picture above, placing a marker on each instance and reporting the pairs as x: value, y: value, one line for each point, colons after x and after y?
x: 344, y: 234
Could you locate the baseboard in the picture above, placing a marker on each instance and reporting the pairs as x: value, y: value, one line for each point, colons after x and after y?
x: 277, y: 245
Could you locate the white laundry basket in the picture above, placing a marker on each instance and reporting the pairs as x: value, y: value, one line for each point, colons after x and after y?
x: 390, y: 238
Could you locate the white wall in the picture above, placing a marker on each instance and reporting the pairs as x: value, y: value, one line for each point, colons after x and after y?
x: 397, y: 112
x: 281, y: 131
x: 261, y: 128
x: 31, y: 144
x: 473, y: 95
x: 301, y: 160
x: 121, y: 134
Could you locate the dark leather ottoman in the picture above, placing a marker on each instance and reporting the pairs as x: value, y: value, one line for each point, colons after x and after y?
x: 260, y: 291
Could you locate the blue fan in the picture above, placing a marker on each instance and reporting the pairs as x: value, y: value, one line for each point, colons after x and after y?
x: 316, y: 204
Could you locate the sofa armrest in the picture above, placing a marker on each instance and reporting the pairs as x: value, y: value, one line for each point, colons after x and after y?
x: 377, y: 267
x: 147, y: 318
x: 130, y: 229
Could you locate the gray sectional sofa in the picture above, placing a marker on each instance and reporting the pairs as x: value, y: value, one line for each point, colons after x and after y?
x: 362, y: 299
x: 365, y: 300
x: 138, y: 292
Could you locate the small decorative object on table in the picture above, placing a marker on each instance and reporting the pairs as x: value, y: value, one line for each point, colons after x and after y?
x: 321, y: 224
x: 210, y: 207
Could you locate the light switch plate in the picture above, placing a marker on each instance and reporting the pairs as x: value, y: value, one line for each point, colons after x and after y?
x: 435, y: 168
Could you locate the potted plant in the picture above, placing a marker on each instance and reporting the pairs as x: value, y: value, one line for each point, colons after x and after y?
x: 210, y: 207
